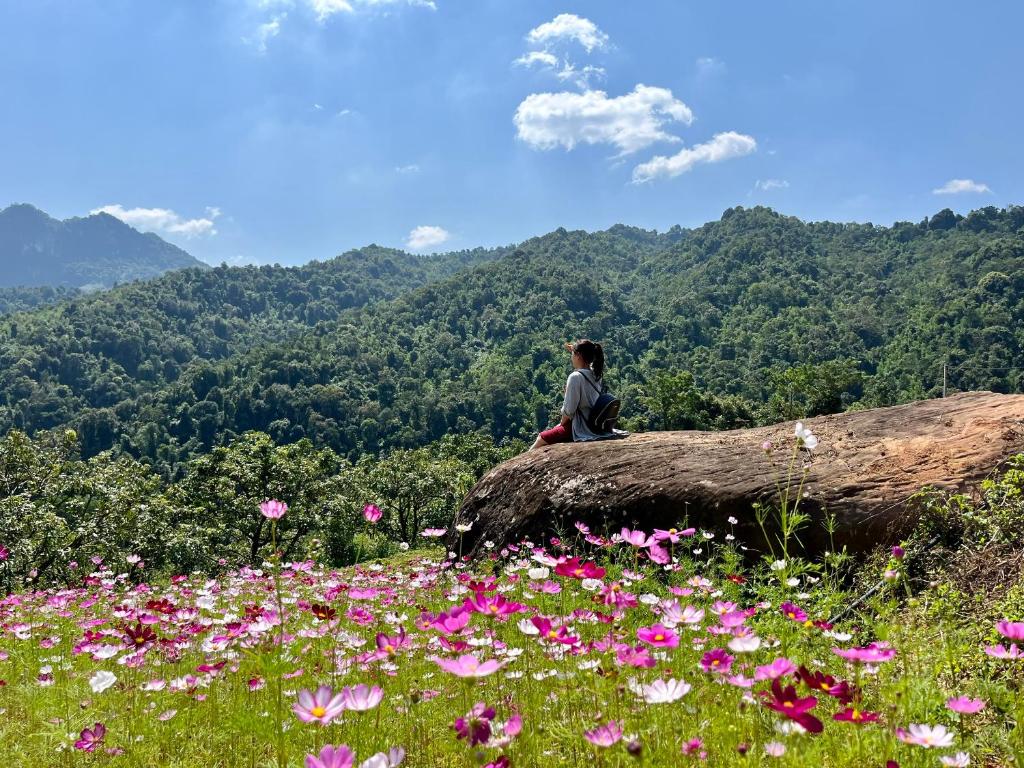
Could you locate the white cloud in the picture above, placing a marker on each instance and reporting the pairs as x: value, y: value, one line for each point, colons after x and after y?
x: 324, y: 9
x: 769, y: 184
x: 426, y: 237
x: 722, y: 146
x: 163, y: 220
x: 265, y: 32
x: 630, y: 122
x: 957, y: 186
x: 563, y: 69
x: 407, y: 170
x: 543, y: 58
x: 569, y: 26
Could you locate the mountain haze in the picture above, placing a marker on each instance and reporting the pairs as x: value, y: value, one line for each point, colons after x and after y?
x: 94, y: 251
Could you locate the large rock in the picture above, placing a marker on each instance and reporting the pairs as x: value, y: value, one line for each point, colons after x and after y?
x: 866, y: 468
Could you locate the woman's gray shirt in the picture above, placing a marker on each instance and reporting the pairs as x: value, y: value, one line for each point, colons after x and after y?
x: 581, y: 391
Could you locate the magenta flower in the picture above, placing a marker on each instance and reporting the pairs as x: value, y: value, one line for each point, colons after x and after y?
x: 577, y: 570
x: 496, y: 606
x: 360, y: 698
x: 320, y: 707
x: 658, y: 636
x: 604, y: 735
x: 468, y: 666
x: 447, y: 622
x: 1011, y: 630
x: 658, y: 554
x: 475, y: 726
x: 372, y: 513
x: 716, y: 660
x: 4, y: 553
x: 389, y: 645
x: 854, y: 715
x: 90, y: 738
x: 965, y: 705
x: 794, y: 612
x: 273, y: 509
x: 331, y: 757
x: 786, y: 702
x: 898, y: 552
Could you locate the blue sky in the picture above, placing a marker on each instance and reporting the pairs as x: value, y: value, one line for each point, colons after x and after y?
x: 287, y: 130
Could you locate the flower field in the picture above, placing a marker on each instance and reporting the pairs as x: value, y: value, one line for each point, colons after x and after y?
x: 653, y: 648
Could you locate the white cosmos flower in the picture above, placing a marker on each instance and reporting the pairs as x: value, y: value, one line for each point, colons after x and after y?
x: 745, y: 643
x: 662, y: 691
x: 591, y: 585
x: 779, y: 565
x: 959, y: 760
x: 538, y: 573
x: 463, y: 527
x: 102, y: 680
x: 527, y: 627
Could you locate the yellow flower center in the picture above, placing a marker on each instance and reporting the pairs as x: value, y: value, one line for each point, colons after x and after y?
x: 659, y: 637
x: 787, y: 704
x: 318, y: 711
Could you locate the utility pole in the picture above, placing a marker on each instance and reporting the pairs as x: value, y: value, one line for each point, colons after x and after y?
x: 943, y: 378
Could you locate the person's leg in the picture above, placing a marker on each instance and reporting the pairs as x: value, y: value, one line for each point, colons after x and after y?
x: 557, y: 434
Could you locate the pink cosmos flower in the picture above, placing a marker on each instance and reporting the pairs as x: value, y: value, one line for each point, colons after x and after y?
x: 693, y: 746
x: 372, y: 513
x: 687, y: 615
x: 604, y: 735
x: 389, y: 645
x: 786, y: 702
x: 577, y: 570
x: 4, y: 553
x: 90, y: 738
x: 778, y: 668
x: 658, y: 554
x: 475, y: 726
x: 360, y: 698
x: 856, y: 716
x: 468, y: 666
x: 926, y: 736
x: 1011, y: 630
x: 433, y: 533
x: 874, y: 653
x: 496, y: 605
x: 331, y: 757
x: 658, y: 636
x: 1001, y: 652
x: 965, y: 705
x: 320, y: 707
x: 716, y: 660
x: 551, y: 633
x: 273, y: 509
x: 635, y: 538
x: 794, y: 612
x: 447, y: 622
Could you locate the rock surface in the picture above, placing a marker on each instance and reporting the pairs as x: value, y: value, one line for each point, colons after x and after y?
x: 866, y: 468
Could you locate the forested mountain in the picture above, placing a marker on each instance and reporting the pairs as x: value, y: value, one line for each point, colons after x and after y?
x: 754, y: 317
x: 22, y: 298
x: 98, y: 250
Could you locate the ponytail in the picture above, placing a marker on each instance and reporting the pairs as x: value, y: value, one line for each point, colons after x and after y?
x: 592, y: 354
x: 598, y: 365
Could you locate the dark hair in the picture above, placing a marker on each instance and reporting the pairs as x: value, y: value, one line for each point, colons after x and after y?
x: 592, y: 355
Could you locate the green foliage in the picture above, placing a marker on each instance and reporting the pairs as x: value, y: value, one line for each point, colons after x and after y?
x: 57, y: 510
x: 772, y: 317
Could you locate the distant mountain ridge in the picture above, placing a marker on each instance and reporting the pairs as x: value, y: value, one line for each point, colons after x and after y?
x: 93, y: 251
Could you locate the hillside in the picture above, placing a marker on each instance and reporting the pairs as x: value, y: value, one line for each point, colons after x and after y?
x: 755, y: 317
x: 97, y: 251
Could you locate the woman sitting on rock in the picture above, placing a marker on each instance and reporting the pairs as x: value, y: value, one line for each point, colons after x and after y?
x: 582, y: 389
